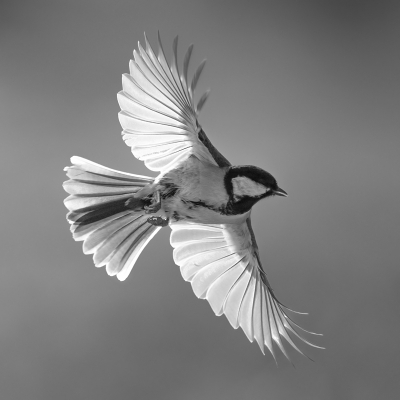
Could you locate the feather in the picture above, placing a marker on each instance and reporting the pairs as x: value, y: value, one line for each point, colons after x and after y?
x: 147, y: 84
x: 104, y: 232
x: 145, y: 112
x: 156, y: 100
x: 186, y: 62
x: 87, y: 166
x: 115, y: 265
x: 134, y: 252
x: 130, y: 122
x: 150, y: 139
x: 206, y: 276
x: 202, y: 100
x: 85, y: 189
x: 266, y: 326
x: 258, y: 316
x: 153, y: 75
x: 246, y: 309
x: 196, y: 77
x: 169, y: 161
x: 175, y: 67
x: 235, y: 298
x: 113, y: 233
x: 183, y: 252
x: 195, y: 262
x: 160, y: 150
x: 82, y: 231
x: 78, y: 175
x: 219, y: 290
x: 165, y: 74
x: 222, y: 264
x: 78, y: 203
x: 132, y: 89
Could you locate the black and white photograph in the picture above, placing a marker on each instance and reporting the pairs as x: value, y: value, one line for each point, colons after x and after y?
x: 200, y: 199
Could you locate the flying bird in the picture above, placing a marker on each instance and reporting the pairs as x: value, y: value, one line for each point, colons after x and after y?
x: 204, y: 199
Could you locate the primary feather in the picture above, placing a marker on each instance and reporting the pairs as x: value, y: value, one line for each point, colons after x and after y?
x: 155, y: 101
x: 221, y: 263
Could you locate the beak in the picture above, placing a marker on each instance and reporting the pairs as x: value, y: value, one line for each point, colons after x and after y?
x: 279, y: 192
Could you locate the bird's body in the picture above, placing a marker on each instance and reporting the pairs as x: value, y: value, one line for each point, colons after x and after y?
x: 197, y: 191
x: 194, y: 191
x: 204, y: 199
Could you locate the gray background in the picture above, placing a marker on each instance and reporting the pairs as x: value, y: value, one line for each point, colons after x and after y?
x: 308, y: 90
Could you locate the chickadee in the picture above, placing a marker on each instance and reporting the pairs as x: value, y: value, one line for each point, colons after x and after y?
x: 203, y: 198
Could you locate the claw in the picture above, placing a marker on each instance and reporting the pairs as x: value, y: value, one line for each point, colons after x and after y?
x: 156, y: 204
x: 158, y: 221
x: 153, y: 208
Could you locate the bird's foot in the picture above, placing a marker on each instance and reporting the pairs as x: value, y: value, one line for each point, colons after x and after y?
x: 155, y: 205
x: 152, y: 208
x: 158, y: 221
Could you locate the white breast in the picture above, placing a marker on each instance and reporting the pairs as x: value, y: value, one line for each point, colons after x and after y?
x: 200, y: 181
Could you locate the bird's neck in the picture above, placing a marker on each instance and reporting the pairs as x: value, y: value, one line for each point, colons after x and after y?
x: 241, y: 206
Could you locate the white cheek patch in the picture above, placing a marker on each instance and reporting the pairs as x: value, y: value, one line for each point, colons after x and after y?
x: 243, y: 186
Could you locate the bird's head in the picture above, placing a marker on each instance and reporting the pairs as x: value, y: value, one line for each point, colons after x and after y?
x: 246, y: 185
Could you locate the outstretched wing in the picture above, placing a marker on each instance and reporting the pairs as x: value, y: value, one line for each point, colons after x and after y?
x: 158, y: 113
x: 223, y: 266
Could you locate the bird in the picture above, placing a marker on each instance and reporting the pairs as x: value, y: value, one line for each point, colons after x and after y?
x: 198, y: 193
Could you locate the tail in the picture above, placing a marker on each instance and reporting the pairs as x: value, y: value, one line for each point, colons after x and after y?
x: 114, y: 233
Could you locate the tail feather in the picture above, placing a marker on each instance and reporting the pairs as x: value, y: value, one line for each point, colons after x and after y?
x: 114, y: 233
x: 100, y: 211
x: 85, y: 169
x: 111, y: 231
x: 80, y: 231
x: 125, y: 255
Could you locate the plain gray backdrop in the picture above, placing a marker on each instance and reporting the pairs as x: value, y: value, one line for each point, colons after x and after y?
x: 309, y: 91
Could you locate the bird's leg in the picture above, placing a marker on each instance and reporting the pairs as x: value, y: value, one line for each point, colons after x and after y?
x: 153, y: 208
x: 141, y: 199
x: 155, y: 204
